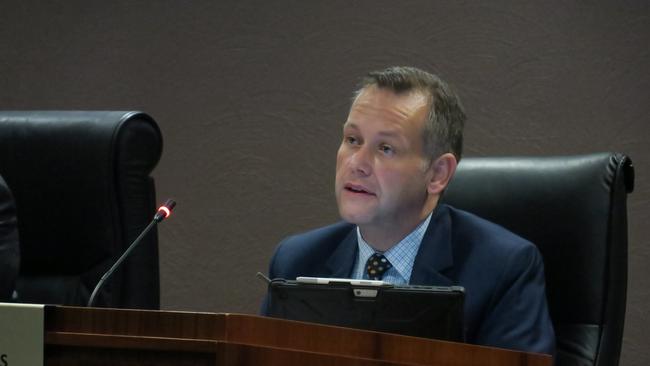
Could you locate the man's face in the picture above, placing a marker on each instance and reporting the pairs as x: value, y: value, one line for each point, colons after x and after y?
x: 381, y: 170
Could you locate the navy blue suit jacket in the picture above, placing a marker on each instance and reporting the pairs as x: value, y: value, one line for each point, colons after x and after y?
x: 503, y: 274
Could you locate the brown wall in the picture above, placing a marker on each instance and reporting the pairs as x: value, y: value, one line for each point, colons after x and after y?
x: 251, y: 95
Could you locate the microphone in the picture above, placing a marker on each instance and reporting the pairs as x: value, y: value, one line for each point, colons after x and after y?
x: 163, y: 212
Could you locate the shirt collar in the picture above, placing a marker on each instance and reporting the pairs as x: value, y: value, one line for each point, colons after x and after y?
x: 401, y: 255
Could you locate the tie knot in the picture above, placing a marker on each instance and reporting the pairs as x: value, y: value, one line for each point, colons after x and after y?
x: 376, y: 266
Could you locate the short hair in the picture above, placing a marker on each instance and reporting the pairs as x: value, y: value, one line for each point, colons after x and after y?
x: 443, y: 129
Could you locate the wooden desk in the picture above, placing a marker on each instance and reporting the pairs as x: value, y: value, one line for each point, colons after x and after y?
x: 97, y: 336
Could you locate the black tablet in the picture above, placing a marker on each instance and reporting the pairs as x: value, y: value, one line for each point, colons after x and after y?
x: 421, y: 311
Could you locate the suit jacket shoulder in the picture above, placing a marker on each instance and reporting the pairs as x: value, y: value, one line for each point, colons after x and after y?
x: 310, y: 253
x: 503, y: 275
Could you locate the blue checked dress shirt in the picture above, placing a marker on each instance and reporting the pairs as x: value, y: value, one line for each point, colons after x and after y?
x: 401, y: 256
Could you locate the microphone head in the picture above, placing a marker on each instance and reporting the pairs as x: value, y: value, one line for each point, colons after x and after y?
x: 165, y: 210
x: 170, y: 204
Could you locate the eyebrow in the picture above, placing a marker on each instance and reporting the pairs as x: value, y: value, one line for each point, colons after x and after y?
x: 352, y: 125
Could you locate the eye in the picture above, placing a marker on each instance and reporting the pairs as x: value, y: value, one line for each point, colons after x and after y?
x: 386, y: 149
x: 351, y: 140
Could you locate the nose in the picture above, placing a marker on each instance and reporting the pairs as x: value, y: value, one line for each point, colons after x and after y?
x: 361, y: 161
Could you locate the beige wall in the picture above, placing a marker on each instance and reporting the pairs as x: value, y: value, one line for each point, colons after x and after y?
x: 250, y: 96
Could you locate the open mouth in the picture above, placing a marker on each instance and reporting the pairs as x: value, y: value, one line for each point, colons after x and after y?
x: 357, y: 189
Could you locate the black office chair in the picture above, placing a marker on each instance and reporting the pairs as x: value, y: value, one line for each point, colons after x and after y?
x: 574, y: 209
x: 9, y: 253
x: 83, y: 191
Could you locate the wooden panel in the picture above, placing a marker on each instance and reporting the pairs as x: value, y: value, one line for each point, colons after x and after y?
x: 135, y: 322
x: 390, y: 347
x: 255, y: 338
x: 92, y: 349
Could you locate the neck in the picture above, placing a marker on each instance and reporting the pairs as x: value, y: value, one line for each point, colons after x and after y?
x: 385, y: 236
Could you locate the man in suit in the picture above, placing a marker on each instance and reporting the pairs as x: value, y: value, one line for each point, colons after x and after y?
x: 401, y: 144
x: 9, y: 254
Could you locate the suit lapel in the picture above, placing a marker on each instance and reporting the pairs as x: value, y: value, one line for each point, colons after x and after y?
x: 434, y: 257
x: 435, y: 253
x: 342, y: 259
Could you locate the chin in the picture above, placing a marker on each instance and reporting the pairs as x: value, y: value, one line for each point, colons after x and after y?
x: 357, y: 218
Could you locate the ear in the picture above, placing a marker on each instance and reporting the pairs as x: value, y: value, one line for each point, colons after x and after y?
x: 442, y: 170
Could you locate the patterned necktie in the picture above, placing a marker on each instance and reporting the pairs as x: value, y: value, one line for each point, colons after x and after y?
x: 376, y: 266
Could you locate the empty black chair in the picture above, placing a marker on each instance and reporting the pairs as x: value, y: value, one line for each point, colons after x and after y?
x: 574, y: 209
x: 9, y: 253
x: 83, y: 191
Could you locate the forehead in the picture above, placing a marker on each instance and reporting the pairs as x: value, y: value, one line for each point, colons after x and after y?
x: 383, y: 105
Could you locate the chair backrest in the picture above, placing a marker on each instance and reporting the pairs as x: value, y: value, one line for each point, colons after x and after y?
x: 574, y: 209
x: 83, y: 191
x: 9, y: 253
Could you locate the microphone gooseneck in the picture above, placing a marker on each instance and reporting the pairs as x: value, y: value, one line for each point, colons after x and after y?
x: 163, y: 212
